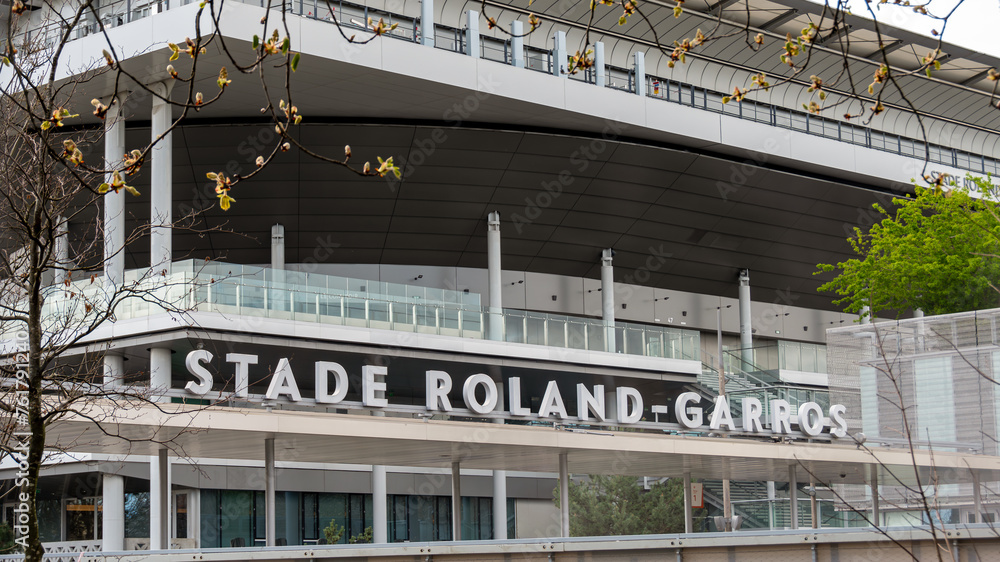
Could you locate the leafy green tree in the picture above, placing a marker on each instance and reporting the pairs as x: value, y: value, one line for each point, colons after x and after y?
x: 939, y: 252
x: 618, y: 505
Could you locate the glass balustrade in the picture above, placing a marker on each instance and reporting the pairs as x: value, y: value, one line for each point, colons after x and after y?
x: 242, y: 290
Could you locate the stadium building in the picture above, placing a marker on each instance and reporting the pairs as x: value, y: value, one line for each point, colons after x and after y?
x: 549, y: 289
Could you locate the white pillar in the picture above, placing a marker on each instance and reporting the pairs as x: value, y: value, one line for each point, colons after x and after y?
x: 599, y: 70
x: 866, y: 315
x: 159, y: 501
x: 62, y: 249
x: 114, y: 369
x: 427, y: 23
x: 113, y: 512
x: 640, y: 73
x: 746, y: 329
x: 793, y: 497
x: 270, y: 482
x: 472, y: 34
x: 517, y: 43
x: 495, y: 328
x: 876, y: 511
x: 380, y: 525
x: 771, y: 497
x: 977, y: 498
x: 159, y: 372
x: 500, y: 482
x: 688, y: 501
x: 161, y: 181
x: 380, y: 498
x: 559, y: 54
x: 114, y: 203
x: 564, y: 493
x: 456, y: 502
x: 277, y: 247
x: 608, y: 299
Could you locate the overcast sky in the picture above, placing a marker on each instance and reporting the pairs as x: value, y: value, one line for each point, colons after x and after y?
x: 975, y: 25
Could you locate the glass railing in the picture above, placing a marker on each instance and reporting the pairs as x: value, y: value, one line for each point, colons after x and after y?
x: 786, y: 355
x: 243, y: 290
x: 355, y: 16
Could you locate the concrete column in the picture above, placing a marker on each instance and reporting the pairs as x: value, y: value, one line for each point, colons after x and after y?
x: 813, y: 506
x: 277, y: 247
x: 517, y: 43
x: 771, y: 497
x: 640, y: 73
x: 114, y: 369
x: 427, y: 23
x: 113, y: 512
x: 873, y: 483
x: 977, y: 498
x: 746, y: 329
x: 159, y: 372
x: 608, y: 299
x: 161, y: 181
x: 688, y: 501
x: 114, y: 203
x: 159, y: 501
x: 793, y: 497
x: 61, y: 249
x: 472, y: 35
x: 600, y: 73
x: 500, y: 482
x: 495, y: 328
x: 727, y: 505
x: 380, y: 519
x: 456, y: 501
x: 564, y: 493
x: 866, y: 315
x: 380, y: 499
x: 559, y: 54
x: 270, y: 481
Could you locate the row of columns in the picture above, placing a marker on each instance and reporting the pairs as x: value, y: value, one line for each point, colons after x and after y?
x: 161, y: 252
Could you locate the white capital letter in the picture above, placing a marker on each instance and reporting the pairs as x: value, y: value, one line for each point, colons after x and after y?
x: 193, y: 362
x: 681, y: 410
x: 283, y: 382
x: 628, y: 396
x: 373, y: 393
x: 437, y: 387
x: 243, y: 362
x: 469, y: 394
x: 323, y: 370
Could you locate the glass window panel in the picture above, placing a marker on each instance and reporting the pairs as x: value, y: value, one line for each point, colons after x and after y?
x: 210, y: 529
x: 137, y: 515
x: 333, y: 507
x: 236, y: 516
x: 310, y: 516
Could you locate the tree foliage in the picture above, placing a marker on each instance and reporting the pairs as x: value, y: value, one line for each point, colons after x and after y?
x: 938, y: 251
x: 618, y: 505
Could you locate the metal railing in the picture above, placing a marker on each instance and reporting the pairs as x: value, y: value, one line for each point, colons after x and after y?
x: 356, y: 16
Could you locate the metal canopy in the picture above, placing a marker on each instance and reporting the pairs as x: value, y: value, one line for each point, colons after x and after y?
x: 320, y: 437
